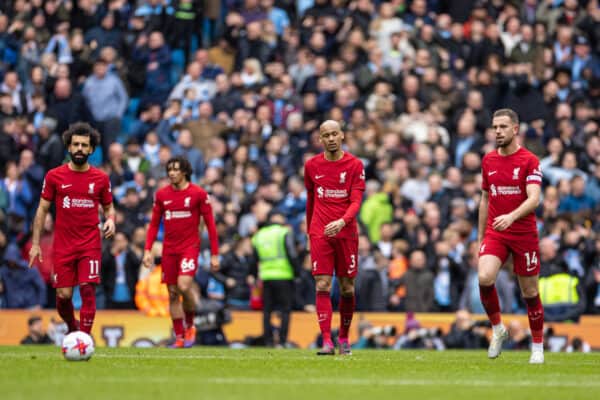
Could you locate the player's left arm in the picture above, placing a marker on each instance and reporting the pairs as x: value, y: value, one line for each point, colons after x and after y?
x: 109, y: 210
x: 207, y: 215
x: 356, y: 195
x: 109, y: 224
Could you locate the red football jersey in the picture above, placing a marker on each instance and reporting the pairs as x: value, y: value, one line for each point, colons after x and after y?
x: 332, y: 186
x: 505, y: 179
x: 181, y: 210
x: 76, y: 196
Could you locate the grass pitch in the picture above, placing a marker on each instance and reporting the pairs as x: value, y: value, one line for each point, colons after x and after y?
x: 39, y: 372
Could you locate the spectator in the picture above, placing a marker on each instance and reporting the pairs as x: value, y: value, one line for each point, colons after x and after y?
x: 107, y: 99
x: 23, y: 287
x: 418, y: 282
x: 235, y: 274
x: 466, y: 333
x: 120, y: 270
x: 50, y: 149
x: 36, y: 334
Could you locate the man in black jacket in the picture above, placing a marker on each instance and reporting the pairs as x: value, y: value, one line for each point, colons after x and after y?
x: 235, y: 275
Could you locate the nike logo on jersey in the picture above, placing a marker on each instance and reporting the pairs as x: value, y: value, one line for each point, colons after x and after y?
x: 529, y: 269
x: 167, y: 202
x: 491, y: 173
x: 319, y: 176
x: 92, y: 276
x: 66, y: 186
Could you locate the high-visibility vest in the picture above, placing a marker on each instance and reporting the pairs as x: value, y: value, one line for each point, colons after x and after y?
x: 559, y: 289
x: 273, y: 263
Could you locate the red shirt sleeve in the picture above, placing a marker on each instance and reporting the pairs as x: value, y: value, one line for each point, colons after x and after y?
x: 157, y: 212
x: 308, y: 184
x: 356, y: 193
x: 534, y: 173
x: 207, y: 215
x: 106, y: 194
x: 49, y: 187
x: 484, y: 176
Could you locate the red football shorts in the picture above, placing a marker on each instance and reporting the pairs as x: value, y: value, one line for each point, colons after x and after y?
x: 76, y: 268
x: 524, y: 249
x: 174, y: 265
x: 332, y: 254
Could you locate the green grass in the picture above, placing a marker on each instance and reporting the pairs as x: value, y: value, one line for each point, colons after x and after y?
x: 213, y: 373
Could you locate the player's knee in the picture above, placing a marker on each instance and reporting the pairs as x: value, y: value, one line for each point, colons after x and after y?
x: 184, y: 287
x: 529, y: 292
x: 485, y: 278
x: 347, y: 291
x: 173, y: 296
x: 323, y: 286
x: 64, y: 293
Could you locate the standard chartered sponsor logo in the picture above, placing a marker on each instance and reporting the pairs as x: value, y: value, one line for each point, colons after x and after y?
x: 331, y: 193
x: 177, y: 214
x: 77, y: 203
x: 505, y: 190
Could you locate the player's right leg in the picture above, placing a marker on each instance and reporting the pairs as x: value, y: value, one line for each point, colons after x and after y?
x: 492, y: 255
x: 322, y: 256
x: 64, y: 278
x: 64, y: 307
x: 170, y: 267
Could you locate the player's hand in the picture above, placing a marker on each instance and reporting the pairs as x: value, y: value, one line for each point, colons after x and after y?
x: 214, y: 263
x: 502, y: 222
x: 35, y: 252
x: 333, y: 228
x: 109, y: 228
x: 147, y: 259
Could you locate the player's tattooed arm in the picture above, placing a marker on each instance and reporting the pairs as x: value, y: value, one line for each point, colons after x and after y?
x: 38, y: 223
x: 109, y: 224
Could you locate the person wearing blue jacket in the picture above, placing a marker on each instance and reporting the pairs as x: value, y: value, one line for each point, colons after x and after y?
x: 22, y: 287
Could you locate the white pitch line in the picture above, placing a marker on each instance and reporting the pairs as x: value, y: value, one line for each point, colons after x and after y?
x: 344, y: 381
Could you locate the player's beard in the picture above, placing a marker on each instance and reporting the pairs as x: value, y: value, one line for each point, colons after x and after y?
x: 505, y: 143
x: 79, y: 158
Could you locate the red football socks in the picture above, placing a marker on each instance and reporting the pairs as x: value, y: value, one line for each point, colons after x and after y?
x: 489, y: 299
x: 346, y: 312
x: 324, y: 312
x: 88, y: 307
x: 535, y: 313
x: 66, y: 312
x: 189, y: 318
x: 178, y: 327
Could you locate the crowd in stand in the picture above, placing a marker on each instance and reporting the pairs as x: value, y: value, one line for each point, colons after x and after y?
x: 239, y: 87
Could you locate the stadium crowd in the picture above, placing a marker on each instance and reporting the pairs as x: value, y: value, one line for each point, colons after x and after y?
x: 239, y: 87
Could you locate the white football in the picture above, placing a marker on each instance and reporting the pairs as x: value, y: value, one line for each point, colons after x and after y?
x: 78, y: 346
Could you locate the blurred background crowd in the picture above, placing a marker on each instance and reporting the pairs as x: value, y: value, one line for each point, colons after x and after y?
x: 240, y: 87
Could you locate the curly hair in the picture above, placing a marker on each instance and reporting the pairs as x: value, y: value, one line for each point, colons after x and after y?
x: 81, y: 129
x: 184, y: 166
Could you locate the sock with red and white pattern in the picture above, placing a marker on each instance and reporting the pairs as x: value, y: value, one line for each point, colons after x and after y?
x: 535, y: 314
x: 489, y: 299
x: 324, y: 311
x: 346, y: 313
x: 88, y: 307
